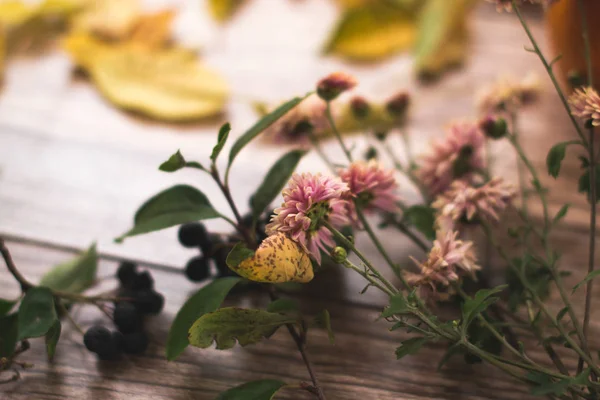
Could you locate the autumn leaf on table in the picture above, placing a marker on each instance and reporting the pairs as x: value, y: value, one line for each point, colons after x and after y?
x: 223, y: 10
x: 167, y: 84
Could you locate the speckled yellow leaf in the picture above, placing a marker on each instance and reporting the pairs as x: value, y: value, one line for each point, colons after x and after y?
x: 278, y: 259
x: 372, y: 32
x: 222, y: 10
x: 153, y: 30
x: 112, y: 19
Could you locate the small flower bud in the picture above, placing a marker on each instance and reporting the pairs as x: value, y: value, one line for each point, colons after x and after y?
x: 330, y: 87
x: 381, y: 136
x: 360, y: 107
x: 494, y: 127
x: 339, y: 254
x: 398, y: 104
x: 371, y: 153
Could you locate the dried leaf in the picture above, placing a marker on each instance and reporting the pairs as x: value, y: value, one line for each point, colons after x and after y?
x: 222, y: 10
x: 373, y: 32
x: 111, y: 19
x: 278, y: 259
x: 166, y: 84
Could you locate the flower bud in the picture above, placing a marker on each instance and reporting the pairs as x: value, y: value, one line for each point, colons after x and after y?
x: 371, y: 153
x: 381, y: 136
x: 494, y: 127
x: 360, y: 107
x: 330, y: 87
x: 339, y: 255
x: 398, y: 104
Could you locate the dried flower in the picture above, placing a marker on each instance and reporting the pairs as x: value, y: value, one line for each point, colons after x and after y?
x: 494, y: 127
x: 335, y: 84
x: 508, y: 94
x: 462, y: 147
x: 398, y: 104
x: 448, y: 261
x: 309, y: 200
x: 463, y: 200
x: 585, y: 104
x: 295, y: 126
x: 360, y: 107
x: 373, y: 185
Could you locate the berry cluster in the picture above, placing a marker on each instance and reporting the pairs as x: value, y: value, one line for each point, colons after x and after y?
x: 139, y: 299
x: 213, y: 247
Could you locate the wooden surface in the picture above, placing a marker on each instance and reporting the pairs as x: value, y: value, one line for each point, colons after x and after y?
x: 73, y: 170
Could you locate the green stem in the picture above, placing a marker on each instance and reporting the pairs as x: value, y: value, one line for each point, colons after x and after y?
x: 408, y: 172
x: 317, y: 146
x: 348, y: 264
x: 416, y: 240
x: 335, y: 131
x: 520, y: 167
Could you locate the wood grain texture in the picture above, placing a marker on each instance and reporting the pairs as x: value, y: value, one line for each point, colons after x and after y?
x: 73, y: 170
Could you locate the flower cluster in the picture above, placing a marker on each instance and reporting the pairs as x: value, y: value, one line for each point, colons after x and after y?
x: 508, y: 94
x: 585, y: 104
x: 458, y: 155
x: 448, y: 261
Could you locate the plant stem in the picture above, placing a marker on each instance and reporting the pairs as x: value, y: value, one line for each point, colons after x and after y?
x: 549, y: 70
x: 416, y: 240
x: 408, y: 172
x: 336, y: 132
x: 348, y: 264
x: 520, y: 166
x: 12, y: 268
x: 317, y: 146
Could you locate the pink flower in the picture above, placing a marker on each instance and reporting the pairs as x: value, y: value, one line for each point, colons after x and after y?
x: 335, y: 84
x: 309, y: 200
x: 294, y: 127
x: 373, y: 185
x: 463, y: 140
x: 585, y: 104
x: 448, y: 261
x: 507, y: 94
x: 462, y: 200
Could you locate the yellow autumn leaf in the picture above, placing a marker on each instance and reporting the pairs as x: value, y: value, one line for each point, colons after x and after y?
x: 222, y: 10
x: 111, y: 19
x: 2, y: 53
x: 153, y: 30
x: 166, y: 84
x: 278, y: 259
x: 443, y: 36
x: 372, y: 32
x: 14, y: 13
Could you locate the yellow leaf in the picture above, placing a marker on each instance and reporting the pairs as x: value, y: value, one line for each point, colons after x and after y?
x: 222, y: 10
x: 14, y: 13
x: 2, y: 53
x: 278, y: 259
x: 63, y: 8
x: 166, y: 84
x: 372, y: 32
x: 153, y: 30
x: 443, y: 36
x: 111, y: 19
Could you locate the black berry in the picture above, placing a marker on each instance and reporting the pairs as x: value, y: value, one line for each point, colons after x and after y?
x: 127, y: 317
x: 112, y: 349
x: 127, y: 273
x: 96, y: 338
x: 197, y: 269
x: 220, y: 257
x: 135, y: 343
x: 143, y: 281
x: 149, y: 302
x: 207, y: 247
x: 192, y: 234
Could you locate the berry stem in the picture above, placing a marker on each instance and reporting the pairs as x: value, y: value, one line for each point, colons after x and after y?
x: 12, y: 268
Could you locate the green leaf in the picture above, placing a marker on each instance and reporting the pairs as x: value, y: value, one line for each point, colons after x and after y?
x: 398, y: 305
x: 226, y: 325
x: 561, y: 313
x: 451, y: 352
x: 205, y: 300
x: 587, y: 278
x: 52, y: 339
x: 584, y: 183
x: 471, y: 308
x: 410, y: 346
x: 372, y: 31
x: 8, y: 334
x: 274, y: 181
x: 282, y: 306
x: 222, y: 139
x: 423, y: 218
x: 238, y: 253
x: 555, y: 157
x: 6, y: 306
x: 177, y: 162
x: 261, y: 125
x: 561, y: 214
x: 36, y: 313
x: 74, y: 276
x: 174, y: 206
x: 263, y: 389
x: 323, y: 320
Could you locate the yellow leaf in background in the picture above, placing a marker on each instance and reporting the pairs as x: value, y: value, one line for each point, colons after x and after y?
x: 153, y: 30
x: 278, y: 259
x: 443, y: 36
x: 111, y: 19
x: 15, y: 13
x: 222, y: 10
x: 2, y: 53
x: 373, y: 32
x: 62, y: 8
x: 166, y: 84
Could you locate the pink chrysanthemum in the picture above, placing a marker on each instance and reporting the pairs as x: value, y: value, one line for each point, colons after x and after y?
x: 463, y: 140
x: 585, y: 104
x: 373, y: 185
x: 462, y: 200
x: 507, y: 94
x: 309, y: 200
x: 448, y: 261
